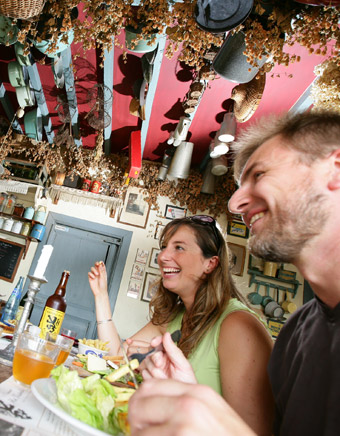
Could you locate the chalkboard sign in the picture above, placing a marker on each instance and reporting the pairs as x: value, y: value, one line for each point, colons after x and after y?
x: 10, y: 256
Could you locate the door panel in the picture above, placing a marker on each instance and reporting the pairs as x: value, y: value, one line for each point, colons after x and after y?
x: 76, y: 247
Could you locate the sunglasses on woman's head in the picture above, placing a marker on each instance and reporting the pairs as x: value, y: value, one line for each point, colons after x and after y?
x: 207, y: 220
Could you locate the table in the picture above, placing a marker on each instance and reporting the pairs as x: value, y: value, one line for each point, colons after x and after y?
x: 5, y: 372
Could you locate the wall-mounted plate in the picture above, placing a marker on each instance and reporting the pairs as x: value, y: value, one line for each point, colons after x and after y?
x: 17, y: 74
x: 33, y: 124
x: 25, y: 96
x: 8, y: 32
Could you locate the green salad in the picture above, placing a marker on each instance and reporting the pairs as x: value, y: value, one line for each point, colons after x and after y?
x: 92, y: 400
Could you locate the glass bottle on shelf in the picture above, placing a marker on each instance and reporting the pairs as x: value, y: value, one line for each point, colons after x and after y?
x: 10, y: 310
x: 3, y: 200
x: 9, y: 207
x: 54, y: 310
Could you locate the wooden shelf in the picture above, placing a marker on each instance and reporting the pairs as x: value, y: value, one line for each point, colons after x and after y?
x: 256, y: 276
x: 28, y: 239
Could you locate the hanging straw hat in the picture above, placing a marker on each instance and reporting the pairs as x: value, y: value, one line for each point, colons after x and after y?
x: 247, y: 97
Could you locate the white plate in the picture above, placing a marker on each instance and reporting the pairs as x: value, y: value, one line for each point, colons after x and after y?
x: 45, y: 391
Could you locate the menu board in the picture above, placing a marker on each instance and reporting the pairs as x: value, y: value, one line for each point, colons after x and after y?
x: 10, y: 256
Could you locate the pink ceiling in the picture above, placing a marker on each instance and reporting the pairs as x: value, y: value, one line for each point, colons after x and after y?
x: 280, y: 93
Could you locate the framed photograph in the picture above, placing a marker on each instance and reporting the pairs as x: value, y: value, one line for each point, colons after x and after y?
x: 151, y: 283
x: 137, y: 271
x: 153, y: 258
x: 142, y: 255
x: 135, y: 210
x: 158, y: 231
x: 134, y: 288
x: 237, y: 228
x: 238, y: 255
x: 172, y: 212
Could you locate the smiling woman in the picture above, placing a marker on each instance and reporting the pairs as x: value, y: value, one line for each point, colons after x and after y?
x: 221, y: 337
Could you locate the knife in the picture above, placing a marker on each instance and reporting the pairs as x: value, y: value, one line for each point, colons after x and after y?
x: 175, y: 336
x: 127, y: 361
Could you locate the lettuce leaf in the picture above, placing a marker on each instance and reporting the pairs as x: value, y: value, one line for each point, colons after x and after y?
x: 91, y: 400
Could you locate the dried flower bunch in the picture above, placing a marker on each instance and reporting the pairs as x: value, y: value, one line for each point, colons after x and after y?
x: 325, y: 91
x: 276, y: 23
x: 102, y: 22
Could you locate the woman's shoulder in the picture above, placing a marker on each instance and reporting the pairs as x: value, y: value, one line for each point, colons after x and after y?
x: 244, y: 324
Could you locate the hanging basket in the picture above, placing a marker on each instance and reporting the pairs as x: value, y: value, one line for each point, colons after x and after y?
x: 22, y: 9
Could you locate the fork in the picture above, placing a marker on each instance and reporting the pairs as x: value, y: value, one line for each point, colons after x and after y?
x: 175, y: 336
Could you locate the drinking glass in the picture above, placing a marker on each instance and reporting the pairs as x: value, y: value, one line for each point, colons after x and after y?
x: 65, y: 345
x: 34, y: 358
x: 68, y: 333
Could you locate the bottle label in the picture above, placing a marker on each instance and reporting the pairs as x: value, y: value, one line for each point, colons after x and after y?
x: 50, y: 323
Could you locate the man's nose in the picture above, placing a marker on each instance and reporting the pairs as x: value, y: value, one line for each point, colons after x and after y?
x: 238, y: 201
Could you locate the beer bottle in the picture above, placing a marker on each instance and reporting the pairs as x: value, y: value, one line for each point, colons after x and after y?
x: 54, y: 311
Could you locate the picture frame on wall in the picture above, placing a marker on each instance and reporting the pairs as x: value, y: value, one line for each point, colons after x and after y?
x: 237, y: 228
x: 158, y: 231
x: 153, y: 258
x: 142, y: 255
x: 151, y: 283
x: 172, y: 212
x: 238, y: 255
x: 134, y: 288
x: 137, y: 271
x: 135, y: 210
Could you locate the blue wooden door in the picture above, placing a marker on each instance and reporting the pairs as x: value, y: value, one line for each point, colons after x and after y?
x: 77, y: 245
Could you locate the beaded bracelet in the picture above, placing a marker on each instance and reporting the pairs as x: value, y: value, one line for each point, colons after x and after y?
x: 104, y: 321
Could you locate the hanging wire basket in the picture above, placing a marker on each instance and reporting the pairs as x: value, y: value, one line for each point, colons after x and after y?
x: 65, y: 111
x: 99, y: 94
x: 98, y: 119
x: 22, y: 9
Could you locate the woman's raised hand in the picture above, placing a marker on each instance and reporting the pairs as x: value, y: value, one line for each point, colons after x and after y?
x: 98, y: 279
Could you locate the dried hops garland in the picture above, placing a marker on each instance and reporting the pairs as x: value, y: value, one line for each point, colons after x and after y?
x: 100, y: 23
x: 325, y: 91
x: 275, y: 25
x: 111, y: 171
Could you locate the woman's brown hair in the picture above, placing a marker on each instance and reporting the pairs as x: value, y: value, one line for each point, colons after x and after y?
x: 213, y: 294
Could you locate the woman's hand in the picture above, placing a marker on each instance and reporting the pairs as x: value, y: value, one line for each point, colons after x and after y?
x: 98, y: 279
x: 168, y: 363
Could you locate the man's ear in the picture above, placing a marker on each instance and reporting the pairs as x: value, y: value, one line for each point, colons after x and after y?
x: 334, y: 179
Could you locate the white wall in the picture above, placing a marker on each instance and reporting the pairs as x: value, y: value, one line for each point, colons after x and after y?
x: 130, y: 314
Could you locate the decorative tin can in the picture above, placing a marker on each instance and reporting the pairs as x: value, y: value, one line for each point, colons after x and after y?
x: 38, y: 231
x: 40, y: 214
x: 86, y: 185
x: 26, y: 228
x: 29, y: 212
x: 18, y: 210
x: 16, y: 228
x: 95, y: 187
x: 8, y: 224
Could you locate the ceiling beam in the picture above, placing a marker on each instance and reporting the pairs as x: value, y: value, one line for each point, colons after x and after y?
x: 152, y: 88
x: 108, y: 81
x: 71, y: 93
x: 8, y: 108
x: 41, y: 101
x: 304, y: 102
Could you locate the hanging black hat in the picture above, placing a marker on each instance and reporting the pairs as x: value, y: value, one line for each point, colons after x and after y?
x: 219, y: 16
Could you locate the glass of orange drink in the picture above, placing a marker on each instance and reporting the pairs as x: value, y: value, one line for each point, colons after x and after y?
x: 65, y: 345
x: 34, y: 358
